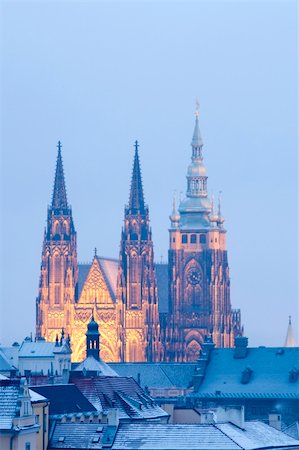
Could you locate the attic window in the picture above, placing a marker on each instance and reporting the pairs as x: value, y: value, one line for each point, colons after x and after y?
x: 95, y: 439
x: 246, y: 375
x: 61, y: 439
x: 100, y: 429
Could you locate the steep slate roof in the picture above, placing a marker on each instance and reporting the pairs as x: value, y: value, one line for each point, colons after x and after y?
x: 109, y: 268
x: 122, y: 393
x: 270, y: 374
x: 9, y: 393
x: 64, y: 399
x: 157, y: 375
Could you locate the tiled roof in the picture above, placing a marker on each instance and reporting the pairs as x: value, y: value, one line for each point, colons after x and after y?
x: 91, y: 364
x: 157, y: 375
x: 122, y: 393
x: 64, y: 399
x: 151, y: 436
x: 269, y: 378
x: 157, y: 436
x: 256, y: 435
x: 9, y: 393
x: 77, y: 436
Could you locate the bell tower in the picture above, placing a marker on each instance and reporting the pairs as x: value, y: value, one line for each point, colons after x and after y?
x: 199, y: 284
x: 137, y: 285
x: 59, y: 271
x: 93, y: 339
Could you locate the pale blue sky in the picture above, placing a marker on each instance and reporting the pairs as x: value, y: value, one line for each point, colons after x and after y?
x: 99, y: 75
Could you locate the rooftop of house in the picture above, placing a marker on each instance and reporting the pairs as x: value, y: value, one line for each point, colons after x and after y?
x: 64, y: 399
x: 5, y: 364
x: 119, y: 392
x: 158, y: 375
x: 151, y: 436
x: 77, y: 436
x: 42, y: 349
x: 9, y: 394
x: 262, y: 372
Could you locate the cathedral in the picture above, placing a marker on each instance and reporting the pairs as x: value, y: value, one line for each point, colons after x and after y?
x: 145, y: 311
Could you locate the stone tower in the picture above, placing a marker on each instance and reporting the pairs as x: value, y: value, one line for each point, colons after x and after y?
x: 59, y: 271
x: 137, y: 285
x: 199, y: 284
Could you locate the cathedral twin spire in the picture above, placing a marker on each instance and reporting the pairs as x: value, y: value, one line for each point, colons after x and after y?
x: 59, y: 198
x: 136, y: 200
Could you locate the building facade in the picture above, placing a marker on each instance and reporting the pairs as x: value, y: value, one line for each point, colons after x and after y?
x: 145, y: 311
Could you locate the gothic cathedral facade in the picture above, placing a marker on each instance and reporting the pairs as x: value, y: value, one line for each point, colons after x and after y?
x: 145, y: 311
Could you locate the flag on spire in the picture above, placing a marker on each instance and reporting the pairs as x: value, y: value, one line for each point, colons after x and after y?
x: 136, y: 201
x: 59, y: 199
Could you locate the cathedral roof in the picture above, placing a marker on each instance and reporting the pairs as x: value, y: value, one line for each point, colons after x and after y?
x: 109, y: 268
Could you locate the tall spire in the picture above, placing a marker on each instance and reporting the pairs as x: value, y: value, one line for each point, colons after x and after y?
x: 59, y: 200
x: 197, y: 142
x: 136, y: 201
x: 290, y: 337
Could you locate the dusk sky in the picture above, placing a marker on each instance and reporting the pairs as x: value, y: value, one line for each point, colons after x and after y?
x: 98, y: 76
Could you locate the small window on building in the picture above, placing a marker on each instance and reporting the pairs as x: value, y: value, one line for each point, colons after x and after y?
x: 193, y: 239
x: 184, y: 239
x: 173, y: 239
x: 27, y: 446
x: 202, y: 239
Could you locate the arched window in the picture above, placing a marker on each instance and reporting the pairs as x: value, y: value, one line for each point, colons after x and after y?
x: 193, y: 239
x: 184, y: 238
x: 202, y: 239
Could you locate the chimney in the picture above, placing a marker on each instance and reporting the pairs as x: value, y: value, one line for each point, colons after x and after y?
x: 241, y: 344
x: 233, y: 414
x: 113, y: 417
x: 275, y: 420
x: 208, y: 417
x: 202, y: 363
